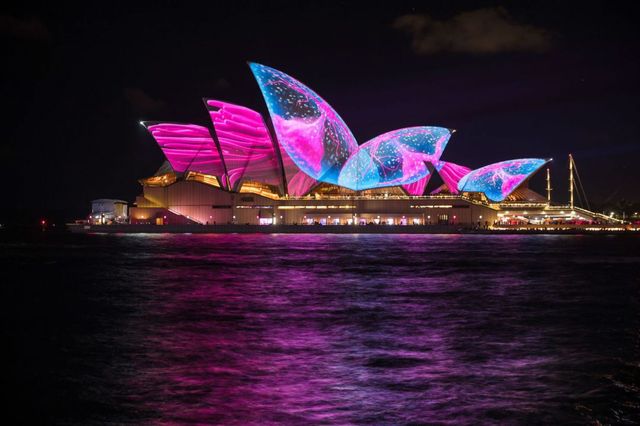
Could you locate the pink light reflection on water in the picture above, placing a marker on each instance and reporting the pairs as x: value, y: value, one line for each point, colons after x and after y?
x: 288, y: 329
x: 308, y: 329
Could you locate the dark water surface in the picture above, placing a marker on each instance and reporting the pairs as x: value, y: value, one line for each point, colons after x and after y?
x: 322, y: 329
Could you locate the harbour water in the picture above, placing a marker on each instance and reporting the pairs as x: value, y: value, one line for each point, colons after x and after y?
x: 322, y: 329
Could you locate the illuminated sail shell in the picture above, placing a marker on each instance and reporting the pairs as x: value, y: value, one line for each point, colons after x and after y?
x: 451, y: 174
x: 248, y: 152
x: 188, y: 147
x: 395, y: 158
x: 497, y: 181
x: 309, y: 131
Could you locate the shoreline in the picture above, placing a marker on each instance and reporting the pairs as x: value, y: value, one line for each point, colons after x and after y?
x: 329, y: 229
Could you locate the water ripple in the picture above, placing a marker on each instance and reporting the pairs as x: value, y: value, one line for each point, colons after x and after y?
x: 324, y: 329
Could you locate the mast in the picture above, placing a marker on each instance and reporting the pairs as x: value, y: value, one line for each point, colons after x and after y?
x: 548, y: 186
x: 571, y: 181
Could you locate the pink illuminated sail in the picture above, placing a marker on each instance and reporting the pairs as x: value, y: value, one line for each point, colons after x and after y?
x: 248, y: 150
x: 451, y: 174
x: 245, y: 144
x: 417, y: 188
x: 187, y: 147
x: 303, y: 142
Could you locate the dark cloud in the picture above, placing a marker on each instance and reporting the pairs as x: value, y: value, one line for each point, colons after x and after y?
x: 221, y: 84
x: 141, y: 102
x: 482, y: 31
x: 24, y: 29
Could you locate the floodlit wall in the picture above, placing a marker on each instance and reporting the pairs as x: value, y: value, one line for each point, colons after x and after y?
x: 202, y: 203
x: 157, y: 216
x: 196, y: 201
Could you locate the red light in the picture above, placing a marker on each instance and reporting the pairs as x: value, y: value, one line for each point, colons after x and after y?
x: 43, y: 222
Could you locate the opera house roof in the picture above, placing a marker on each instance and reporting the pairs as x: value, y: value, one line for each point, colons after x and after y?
x: 304, y: 143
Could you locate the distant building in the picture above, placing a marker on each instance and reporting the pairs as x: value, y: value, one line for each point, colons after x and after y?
x: 105, y: 211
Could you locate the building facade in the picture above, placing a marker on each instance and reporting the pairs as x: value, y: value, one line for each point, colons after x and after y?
x: 299, y: 164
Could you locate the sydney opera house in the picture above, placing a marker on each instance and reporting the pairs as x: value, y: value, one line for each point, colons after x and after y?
x: 300, y: 164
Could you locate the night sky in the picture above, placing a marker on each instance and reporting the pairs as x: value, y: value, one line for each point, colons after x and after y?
x: 515, y: 79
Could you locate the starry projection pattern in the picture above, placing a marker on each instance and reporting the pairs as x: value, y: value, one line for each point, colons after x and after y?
x: 395, y: 158
x: 319, y: 142
x: 312, y: 144
x: 498, y: 180
x: 308, y: 129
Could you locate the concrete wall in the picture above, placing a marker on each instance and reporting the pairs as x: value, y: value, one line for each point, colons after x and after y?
x: 157, y: 216
x: 205, y: 204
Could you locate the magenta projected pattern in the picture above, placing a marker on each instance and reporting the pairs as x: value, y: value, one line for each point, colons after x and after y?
x: 245, y: 143
x: 417, y: 188
x: 313, y: 144
x: 497, y: 181
x: 394, y: 158
x: 308, y: 129
x: 188, y: 147
x: 451, y: 174
x: 298, y: 183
